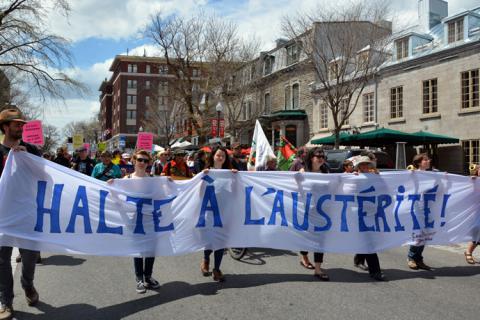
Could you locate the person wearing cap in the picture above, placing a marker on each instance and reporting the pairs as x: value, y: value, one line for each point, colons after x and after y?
x: 177, y: 168
x: 82, y: 162
x: 239, y: 161
x: 126, y: 158
x: 160, y: 163
x: 365, y: 165
x: 11, y: 125
x: 106, y: 170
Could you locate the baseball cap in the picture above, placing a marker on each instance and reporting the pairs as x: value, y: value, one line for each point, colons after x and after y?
x: 11, y: 114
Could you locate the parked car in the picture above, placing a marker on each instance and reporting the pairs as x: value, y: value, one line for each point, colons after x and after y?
x: 336, y: 157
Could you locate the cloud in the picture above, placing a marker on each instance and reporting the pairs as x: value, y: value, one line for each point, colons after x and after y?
x: 74, y: 110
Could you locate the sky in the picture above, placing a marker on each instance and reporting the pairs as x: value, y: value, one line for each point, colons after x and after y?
x: 99, y: 30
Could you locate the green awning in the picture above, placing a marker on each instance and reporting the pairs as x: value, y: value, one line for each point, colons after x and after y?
x: 378, y: 137
x: 432, y: 138
x: 330, y: 140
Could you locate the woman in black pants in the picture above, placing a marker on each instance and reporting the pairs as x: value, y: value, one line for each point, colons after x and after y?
x: 315, y: 162
x: 372, y: 260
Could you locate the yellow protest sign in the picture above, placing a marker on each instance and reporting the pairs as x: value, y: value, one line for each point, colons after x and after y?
x: 77, y: 141
x: 102, y: 146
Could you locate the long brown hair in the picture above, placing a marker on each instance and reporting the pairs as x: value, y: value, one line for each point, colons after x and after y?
x: 227, y: 164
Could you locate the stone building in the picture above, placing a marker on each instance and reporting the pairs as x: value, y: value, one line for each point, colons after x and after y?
x: 430, y: 83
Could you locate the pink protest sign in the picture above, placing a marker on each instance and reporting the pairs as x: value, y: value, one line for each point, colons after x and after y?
x: 87, y: 146
x: 145, y: 141
x: 33, y: 132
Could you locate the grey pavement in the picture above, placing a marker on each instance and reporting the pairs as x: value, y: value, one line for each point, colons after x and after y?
x: 266, y: 284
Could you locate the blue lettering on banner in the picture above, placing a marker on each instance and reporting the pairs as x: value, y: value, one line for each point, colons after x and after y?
x: 444, y: 206
x: 157, y: 214
x: 139, y: 221
x: 383, y: 202
x: 102, y: 224
x: 78, y: 210
x: 322, y: 213
x: 414, y: 198
x: 54, y: 211
x: 426, y: 209
x: 278, y: 207
x: 345, y: 199
x: 248, y: 209
x: 400, y: 198
x: 362, y: 226
x: 209, y: 203
x: 296, y: 224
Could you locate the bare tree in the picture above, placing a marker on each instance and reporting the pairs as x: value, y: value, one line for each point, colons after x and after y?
x: 30, y: 50
x: 346, y: 44
x: 89, y: 128
x: 207, y: 44
x: 51, y: 138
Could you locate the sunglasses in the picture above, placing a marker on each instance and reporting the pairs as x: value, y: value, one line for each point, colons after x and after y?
x: 144, y: 160
x: 320, y: 156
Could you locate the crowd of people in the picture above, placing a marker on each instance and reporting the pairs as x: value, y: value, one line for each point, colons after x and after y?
x: 178, y: 164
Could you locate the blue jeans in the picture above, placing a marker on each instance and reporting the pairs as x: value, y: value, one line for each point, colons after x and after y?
x: 218, y: 257
x: 29, y: 259
x: 142, y: 271
x: 415, y: 253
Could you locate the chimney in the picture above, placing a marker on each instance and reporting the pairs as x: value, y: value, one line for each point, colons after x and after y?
x: 431, y: 13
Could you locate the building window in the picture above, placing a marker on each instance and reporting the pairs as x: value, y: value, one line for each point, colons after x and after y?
x: 323, y: 116
x: 471, y: 151
x: 295, y: 96
x: 455, y: 31
x: 147, y: 84
x: 147, y: 100
x: 396, y: 102
x: 131, y: 114
x: 430, y: 94
x: 368, y: 107
x: 402, y: 48
x: 162, y: 101
x: 131, y: 99
x: 470, y: 92
x: 132, y: 84
x: 247, y: 110
x: 291, y: 134
x: 344, y: 111
x: 132, y: 68
x: 164, y: 87
x: 268, y: 65
x: 267, y: 103
x: 195, y: 73
x: 288, y: 100
x: 292, y: 54
x: 163, y: 69
x: 147, y: 68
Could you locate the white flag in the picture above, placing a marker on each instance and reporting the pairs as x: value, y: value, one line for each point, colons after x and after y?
x: 261, y: 149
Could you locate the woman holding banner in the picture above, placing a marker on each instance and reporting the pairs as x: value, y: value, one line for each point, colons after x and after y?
x: 315, y: 162
x: 365, y: 165
x: 218, y: 159
x: 143, y: 266
x: 415, y: 258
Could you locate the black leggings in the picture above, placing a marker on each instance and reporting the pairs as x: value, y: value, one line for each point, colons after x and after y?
x: 143, y: 271
x: 317, y: 256
x: 372, y: 261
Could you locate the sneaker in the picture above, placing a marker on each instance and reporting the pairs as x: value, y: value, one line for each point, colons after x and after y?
x: 6, y: 312
x: 140, y: 287
x: 204, y: 268
x: 18, y: 259
x: 218, y: 275
x: 412, y: 265
x: 378, y: 276
x: 361, y: 266
x: 151, y: 283
x: 31, y: 295
x: 422, y: 265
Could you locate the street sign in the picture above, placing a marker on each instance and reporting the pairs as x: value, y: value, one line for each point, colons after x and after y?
x: 122, y: 141
x: 214, y: 127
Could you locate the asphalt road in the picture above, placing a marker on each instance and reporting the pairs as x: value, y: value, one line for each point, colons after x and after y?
x: 266, y: 284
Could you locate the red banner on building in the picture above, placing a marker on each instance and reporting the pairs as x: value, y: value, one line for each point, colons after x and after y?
x: 222, y: 128
x: 214, y: 127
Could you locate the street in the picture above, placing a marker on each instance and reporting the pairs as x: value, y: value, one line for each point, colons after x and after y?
x: 266, y: 284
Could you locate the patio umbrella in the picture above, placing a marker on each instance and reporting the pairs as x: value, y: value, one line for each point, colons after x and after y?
x: 331, y: 139
x: 380, y: 137
x: 432, y: 138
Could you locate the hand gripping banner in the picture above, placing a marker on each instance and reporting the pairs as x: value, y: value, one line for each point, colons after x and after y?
x: 46, y: 207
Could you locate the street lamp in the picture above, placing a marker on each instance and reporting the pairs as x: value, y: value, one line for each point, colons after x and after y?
x: 219, y: 109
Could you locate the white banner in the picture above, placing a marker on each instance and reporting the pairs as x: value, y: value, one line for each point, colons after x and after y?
x: 47, y: 207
